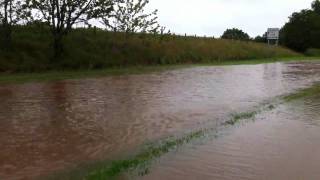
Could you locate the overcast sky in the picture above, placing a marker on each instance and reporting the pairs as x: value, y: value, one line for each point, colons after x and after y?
x: 212, y: 17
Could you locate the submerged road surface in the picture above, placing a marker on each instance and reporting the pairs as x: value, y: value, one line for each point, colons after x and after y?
x: 53, y: 126
x: 279, y: 145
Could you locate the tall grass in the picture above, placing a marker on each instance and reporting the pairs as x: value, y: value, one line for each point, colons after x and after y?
x: 95, y: 49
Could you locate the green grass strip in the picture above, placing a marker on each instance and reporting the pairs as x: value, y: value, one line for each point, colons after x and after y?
x: 144, y: 158
x: 6, y: 78
x: 312, y: 91
x: 120, y: 166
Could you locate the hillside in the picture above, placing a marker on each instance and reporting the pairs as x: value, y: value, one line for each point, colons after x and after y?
x: 97, y: 49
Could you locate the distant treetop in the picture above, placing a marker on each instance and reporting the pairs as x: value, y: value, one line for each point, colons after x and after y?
x: 316, y: 6
x: 235, y: 34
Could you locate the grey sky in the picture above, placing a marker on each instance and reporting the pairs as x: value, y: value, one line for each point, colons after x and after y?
x: 212, y: 17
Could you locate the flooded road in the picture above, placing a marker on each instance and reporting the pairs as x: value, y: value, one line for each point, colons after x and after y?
x: 278, y: 145
x: 52, y: 126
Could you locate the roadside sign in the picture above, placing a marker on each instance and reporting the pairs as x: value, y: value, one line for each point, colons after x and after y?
x: 273, y: 33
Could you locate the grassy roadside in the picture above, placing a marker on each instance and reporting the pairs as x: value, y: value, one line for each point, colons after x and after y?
x: 314, y: 90
x: 62, y: 75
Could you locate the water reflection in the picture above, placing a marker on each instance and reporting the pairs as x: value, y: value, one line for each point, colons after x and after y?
x: 46, y: 127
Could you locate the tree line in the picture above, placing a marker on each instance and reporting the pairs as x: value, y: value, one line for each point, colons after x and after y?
x: 61, y: 16
x: 238, y: 34
x: 301, y: 33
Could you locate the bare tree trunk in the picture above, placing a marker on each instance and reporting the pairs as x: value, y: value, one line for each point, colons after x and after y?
x: 5, y: 29
x: 57, y: 46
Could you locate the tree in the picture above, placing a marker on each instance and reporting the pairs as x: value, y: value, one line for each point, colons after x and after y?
x: 62, y: 15
x: 316, y: 6
x: 235, y: 34
x: 10, y: 11
x: 261, y: 39
x: 129, y: 17
x: 303, y: 30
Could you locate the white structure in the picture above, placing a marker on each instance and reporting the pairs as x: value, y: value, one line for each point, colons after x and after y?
x: 273, y: 35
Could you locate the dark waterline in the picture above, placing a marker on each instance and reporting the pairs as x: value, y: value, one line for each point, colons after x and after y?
x: 47, y: 127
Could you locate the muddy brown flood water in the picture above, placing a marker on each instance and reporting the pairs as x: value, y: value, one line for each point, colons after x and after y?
x: 278, y: 145
x: 52, y: 126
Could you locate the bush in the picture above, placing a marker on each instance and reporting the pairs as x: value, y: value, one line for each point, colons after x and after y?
x: 313, y: 52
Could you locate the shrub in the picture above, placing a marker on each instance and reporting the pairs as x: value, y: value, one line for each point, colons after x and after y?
x: 313, y: 52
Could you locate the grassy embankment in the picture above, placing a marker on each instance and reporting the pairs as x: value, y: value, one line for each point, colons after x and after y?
x: 90, y: 53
